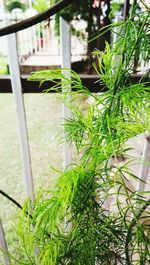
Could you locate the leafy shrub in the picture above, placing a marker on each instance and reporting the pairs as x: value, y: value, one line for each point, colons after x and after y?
x: 71, y: 225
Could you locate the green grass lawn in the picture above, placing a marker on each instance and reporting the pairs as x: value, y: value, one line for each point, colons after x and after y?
x: 3, y: 65
x: 44, y: 116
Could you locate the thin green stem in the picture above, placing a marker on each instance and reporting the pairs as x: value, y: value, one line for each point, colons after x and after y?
x: 129, y: 234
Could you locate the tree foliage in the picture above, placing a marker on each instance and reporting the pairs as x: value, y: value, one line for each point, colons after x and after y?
x: 12, y: 4
x: 90, y: 13
x: 41, y: 5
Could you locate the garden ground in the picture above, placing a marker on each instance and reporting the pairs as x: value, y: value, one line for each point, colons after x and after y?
x: 44, y: 119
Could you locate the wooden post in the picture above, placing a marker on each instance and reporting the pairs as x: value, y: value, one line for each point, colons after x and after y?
x: 17, y: 92
x: 3, y: 244
x: 65, y: 51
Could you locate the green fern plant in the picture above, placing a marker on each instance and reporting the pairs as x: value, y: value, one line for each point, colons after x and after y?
x: 71, y: 224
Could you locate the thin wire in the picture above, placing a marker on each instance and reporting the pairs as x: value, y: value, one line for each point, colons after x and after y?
x: 10, y: 199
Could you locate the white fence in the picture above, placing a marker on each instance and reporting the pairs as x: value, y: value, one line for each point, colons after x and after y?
x: 38, y: 38
x: 20, y: 111
x: 41, y: 40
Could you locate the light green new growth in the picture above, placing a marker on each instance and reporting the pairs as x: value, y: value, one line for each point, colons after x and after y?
x: 71, y: 225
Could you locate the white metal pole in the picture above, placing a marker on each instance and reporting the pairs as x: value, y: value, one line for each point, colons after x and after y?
x: 116, y: 57
x: 3, y: 6
x: 39, y: 38
x: 17, y: 92
x: 3, y: 244
x: 65, y: 52
x: 30, y: 3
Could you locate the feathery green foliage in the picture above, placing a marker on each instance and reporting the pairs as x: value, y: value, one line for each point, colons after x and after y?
x: 71, y: 225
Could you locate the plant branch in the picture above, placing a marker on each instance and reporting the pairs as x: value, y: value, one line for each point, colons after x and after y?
x: 145, y: 5
x: 129, y: 233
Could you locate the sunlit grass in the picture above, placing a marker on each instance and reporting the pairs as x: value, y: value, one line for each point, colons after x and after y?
x: 3, y: 65
x: 44, y: 116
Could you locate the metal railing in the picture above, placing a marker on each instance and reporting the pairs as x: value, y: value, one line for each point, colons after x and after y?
x: 41, y: 40
x: 11, y: 38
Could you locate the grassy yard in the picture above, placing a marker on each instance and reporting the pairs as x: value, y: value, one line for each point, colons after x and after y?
x: 3, y: 65
x: 44, y: 116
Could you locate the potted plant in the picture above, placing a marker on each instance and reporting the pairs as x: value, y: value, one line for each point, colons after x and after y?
x: 72, y: 224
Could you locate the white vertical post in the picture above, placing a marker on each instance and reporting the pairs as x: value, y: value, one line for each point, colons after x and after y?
x: 3, y: 244
x: 43, y: 36
x: 65, y: 52
x: 34, y: 38
x: 30, y: 42
x: 116, y: 57
x: 39, y: 38
x: 30, y: 3
x: 145, y: 166
x: 3, y: 6
x: 17, y: 91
